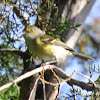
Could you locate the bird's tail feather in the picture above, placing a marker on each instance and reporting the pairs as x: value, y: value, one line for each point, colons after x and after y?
x: 82, y: 56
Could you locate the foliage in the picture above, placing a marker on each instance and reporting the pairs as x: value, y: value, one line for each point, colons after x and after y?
x: 12, y: 93
x: 10, y: 68
x: 62, y: 25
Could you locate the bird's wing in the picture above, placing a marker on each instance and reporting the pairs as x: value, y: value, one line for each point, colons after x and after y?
x: 50, y: 40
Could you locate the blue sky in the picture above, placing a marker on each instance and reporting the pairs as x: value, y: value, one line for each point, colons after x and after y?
x: 95, y: 12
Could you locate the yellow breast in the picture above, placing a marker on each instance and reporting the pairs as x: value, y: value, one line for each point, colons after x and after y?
x: 40, y: 49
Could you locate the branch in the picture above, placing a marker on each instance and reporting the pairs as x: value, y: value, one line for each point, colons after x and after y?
x: 19, y: 53
x: 83, y: 85
x: 59, y: 72
x: 26, y: 75
x: 7, y: 49
x: 33, y: 92
x: 20, y: 14
x: 5, y: 15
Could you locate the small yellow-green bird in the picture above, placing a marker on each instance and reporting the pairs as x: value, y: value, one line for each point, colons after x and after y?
x: 48, y: 48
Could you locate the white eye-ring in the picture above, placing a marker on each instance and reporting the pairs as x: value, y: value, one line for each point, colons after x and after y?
x: 32, y: 30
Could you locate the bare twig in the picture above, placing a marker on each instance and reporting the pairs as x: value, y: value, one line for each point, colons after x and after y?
x: 44, y: 92
x: 32, y: 5
x: 59, y: 72
x: 24, y: 76
x: 74, y: 92
x: 32, y: 97
x: 18, y: 39
x: 7, y: 49
x: 5, y: 15
x: 56, y: 84
x: 55, y: 76
x: 17, y: 52
x: 19, y: 13
x: 83, y: 85
x: 53, y: 84
x: 86, y: 77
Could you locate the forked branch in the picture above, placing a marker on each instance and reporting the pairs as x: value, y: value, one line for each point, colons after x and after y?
x: 59, y: 72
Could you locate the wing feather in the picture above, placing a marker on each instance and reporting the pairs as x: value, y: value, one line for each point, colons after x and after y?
x: 50, y: 40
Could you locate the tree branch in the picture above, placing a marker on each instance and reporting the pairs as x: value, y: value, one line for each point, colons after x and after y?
x: 17, y: 52
x: 33, y: 92
x: 59, y: 72
x: 19, y: 14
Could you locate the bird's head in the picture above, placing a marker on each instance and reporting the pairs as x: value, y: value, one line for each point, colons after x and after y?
x: 32, y: 32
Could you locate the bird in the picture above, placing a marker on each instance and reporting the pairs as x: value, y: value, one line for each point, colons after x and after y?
x: 47, y: 47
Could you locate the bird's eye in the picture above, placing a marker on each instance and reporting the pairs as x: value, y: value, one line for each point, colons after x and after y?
x: 32, y: 30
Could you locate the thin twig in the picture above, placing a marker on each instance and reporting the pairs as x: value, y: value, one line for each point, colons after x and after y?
x: 7, y: 49
x: 5, y: 15
x: 44, y: 92
x: 32, y: 5
x: 59, y: 72
x: 53, y: 84
x: 86, y: 77
x: 74, y: 92
x: 56, y: 84
x: 31, y: 97
x: 24, y: 76
x: 55, y: 76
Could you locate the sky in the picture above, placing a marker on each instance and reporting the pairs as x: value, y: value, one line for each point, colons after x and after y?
x: 95, y: 12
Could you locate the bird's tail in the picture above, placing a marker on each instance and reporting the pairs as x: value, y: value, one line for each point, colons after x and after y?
x: 82, y: 56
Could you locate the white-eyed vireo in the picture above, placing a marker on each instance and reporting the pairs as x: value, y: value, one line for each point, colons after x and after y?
x: 46, y: 47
